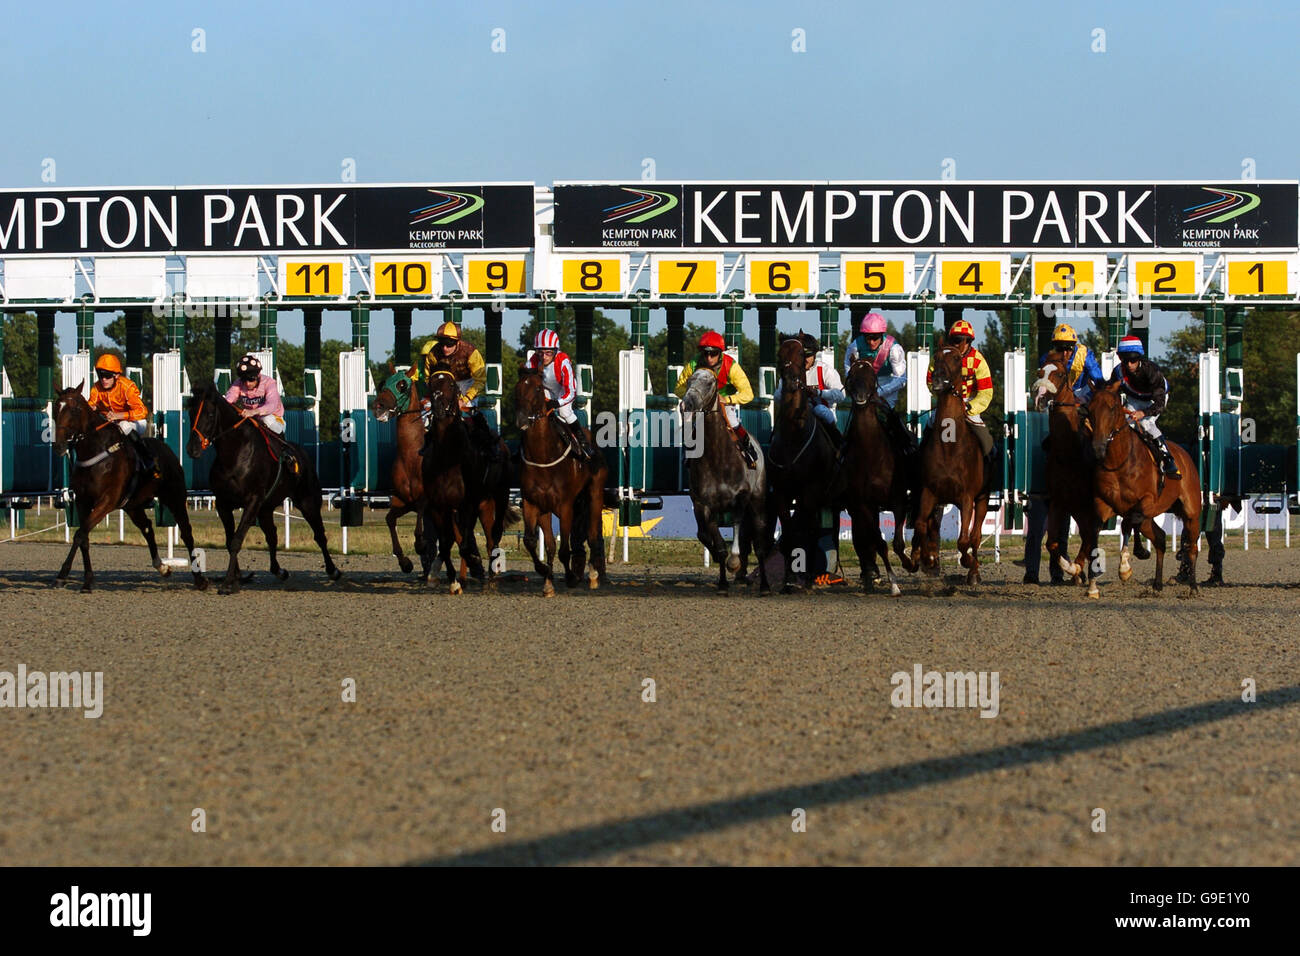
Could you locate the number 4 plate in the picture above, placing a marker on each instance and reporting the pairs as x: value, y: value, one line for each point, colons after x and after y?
x: 974, y: 276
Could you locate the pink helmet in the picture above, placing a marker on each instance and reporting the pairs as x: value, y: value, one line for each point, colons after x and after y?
x: 873, y: 323
x: 546, y: 339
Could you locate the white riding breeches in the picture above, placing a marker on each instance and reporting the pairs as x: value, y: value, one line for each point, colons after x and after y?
x: 733, y: 414
x: 140, y: 428
x: 274, y: 423
x: 566, y: 413
x: 1148, y: 422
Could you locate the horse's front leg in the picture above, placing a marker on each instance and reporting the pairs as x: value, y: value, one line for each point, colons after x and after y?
x: 706, y: 530
x: 1156, y: 535
x: 140, y: 518
x: 266, y: 521
x: 596, y: 534
x: 397, y: 510
x: 976, y: 531
x: 230, y: 585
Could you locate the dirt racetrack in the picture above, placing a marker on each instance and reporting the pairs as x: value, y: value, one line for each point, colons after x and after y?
x: 478, y: 703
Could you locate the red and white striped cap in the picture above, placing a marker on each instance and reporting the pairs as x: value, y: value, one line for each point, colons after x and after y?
x: 546, y: 339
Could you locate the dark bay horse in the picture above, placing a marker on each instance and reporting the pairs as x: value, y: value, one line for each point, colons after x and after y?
x: 105, y: 477
x: 248, y: 474
x: 875, y: 478
x: 401, y: 396
x: 721, y: 481
x: 1127, y: 482
x: 460, y: 485
x: 952, y: 472
x: 801, y: 462
x: 1068, y: 464
x: 554, y: 483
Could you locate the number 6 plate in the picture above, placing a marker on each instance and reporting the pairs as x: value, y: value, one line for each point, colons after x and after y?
x: 792, y: 276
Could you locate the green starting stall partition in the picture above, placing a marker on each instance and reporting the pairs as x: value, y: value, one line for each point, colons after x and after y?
x: 635, y: 456
x: 1220, y: 438
x: 358, y: 434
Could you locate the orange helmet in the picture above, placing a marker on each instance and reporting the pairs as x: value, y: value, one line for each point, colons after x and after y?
x: 961, y: 327
x: 109, y: 362
x: 447, y: 331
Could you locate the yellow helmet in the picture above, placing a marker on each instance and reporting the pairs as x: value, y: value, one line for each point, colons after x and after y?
x: 447, y: 330
x: 1065, y: 333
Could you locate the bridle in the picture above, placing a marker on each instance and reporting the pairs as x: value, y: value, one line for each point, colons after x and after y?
x: 204, y: 441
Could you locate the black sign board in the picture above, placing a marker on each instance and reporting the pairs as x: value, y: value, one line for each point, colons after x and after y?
x: 1116, y: 217
x: 197, y: 219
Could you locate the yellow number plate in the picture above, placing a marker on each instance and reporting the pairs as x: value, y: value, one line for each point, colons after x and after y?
x: 585, y: 276
x: 404, y: 278
x: 489, y: 276
x: 1259, y: 277
x: 970, y: 277
x: 877, y: 276
x: 780, y: 277
x: 1065, y: 277
x: 313, y: 278
x: 687, y: 277
x: 1172, y: 276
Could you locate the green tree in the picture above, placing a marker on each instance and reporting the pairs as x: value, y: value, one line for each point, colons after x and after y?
x: 1181, y: 364
x: 19, y: 340
x: 1270, y: 374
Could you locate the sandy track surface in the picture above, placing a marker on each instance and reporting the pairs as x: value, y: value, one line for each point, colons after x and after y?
x: 465, y: 705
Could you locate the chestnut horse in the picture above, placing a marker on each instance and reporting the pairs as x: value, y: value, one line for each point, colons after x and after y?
x: 952, y: 472
x: 106, y: 476
x: 249, y: 475
x: 554, y: 483
x: 460, y: 484
x: 1127, y: 482
x: 400, y: 395
x: 801, y: 461
x: 1069, y: 467
x: 875, y: 478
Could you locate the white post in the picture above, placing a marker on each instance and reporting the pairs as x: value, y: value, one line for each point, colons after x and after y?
x: 1267, y: 521
x: 121, y: 526
x: 625, y: 536
x: 171, y: 542
x: 707, y: 557
x: 345, y: 539
x: 286, y: 524
x: 1245, y: 524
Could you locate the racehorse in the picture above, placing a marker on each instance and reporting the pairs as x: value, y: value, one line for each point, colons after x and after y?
x: 1069, y: 467
x: 875, y: 478
x: 460, y: 483
x: 400, y: 396
x: 722, y: 482
x: 1127, y: 482
x: 255, y: 472
x: 801, y: 460
x: 553, y: 482
x: 106, y: 476
x: 952, y: 472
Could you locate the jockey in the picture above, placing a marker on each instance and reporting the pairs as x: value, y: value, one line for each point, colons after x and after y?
x: 886, y: 356
x: 976, y: 385
x: 469, y: 370
x: 561, y: 386
x: 1082, y: 370
x: 824, y: 385
x: 256, y: 396
x: 117, y: 398
x: 734, y: 389
x: 1145, y: 392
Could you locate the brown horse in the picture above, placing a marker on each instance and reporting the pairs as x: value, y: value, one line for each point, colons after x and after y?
x: 1069, y: 468
x: 1127, y: 482
x: 875, y: 478
x: 801, y: 462
x: 400, y: 395
x: 952, y: 472
x: 105, y: 477
x: 554, y: 483
x: 460, y: 484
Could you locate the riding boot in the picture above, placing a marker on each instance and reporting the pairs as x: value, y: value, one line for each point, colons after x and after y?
x: 485, y: 437
x: 586, y: 451
x: 833, y: 433
x: 746, y: 446
x: 141, y: 450
x: 1167, y: 463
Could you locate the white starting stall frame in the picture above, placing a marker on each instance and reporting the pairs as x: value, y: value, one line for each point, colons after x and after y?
x: 171, y: 384
x: 359, y: 440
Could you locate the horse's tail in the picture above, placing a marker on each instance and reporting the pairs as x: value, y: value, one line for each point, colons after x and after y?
x: 511, y: 517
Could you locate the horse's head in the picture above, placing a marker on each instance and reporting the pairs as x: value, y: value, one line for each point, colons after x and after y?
x: 1052, y: 384
x: 395, y: 396
x: 444, y: 396
x: 73, y: 418
x: 791, y: 365
x: 530, y: 397
x: 203, y: 406
x: 701, y: 391
x: 946, y: 376
x: 1106, y: 417
x: 861, y: 383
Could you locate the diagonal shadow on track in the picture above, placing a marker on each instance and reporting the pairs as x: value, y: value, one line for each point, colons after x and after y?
x: 603, y: 839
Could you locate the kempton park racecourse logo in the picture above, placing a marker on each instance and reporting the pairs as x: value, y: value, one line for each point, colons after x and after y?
x: 449, y: 207
x: 644, y: 205
x: 1226, y: 204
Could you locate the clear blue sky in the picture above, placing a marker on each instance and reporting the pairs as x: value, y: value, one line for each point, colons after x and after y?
x: 285, y: 92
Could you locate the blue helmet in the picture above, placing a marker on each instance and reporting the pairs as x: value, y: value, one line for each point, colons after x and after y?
x: 1131, y: 343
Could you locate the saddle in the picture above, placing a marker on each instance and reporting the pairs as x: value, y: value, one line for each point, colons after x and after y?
x: 278, y: 447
